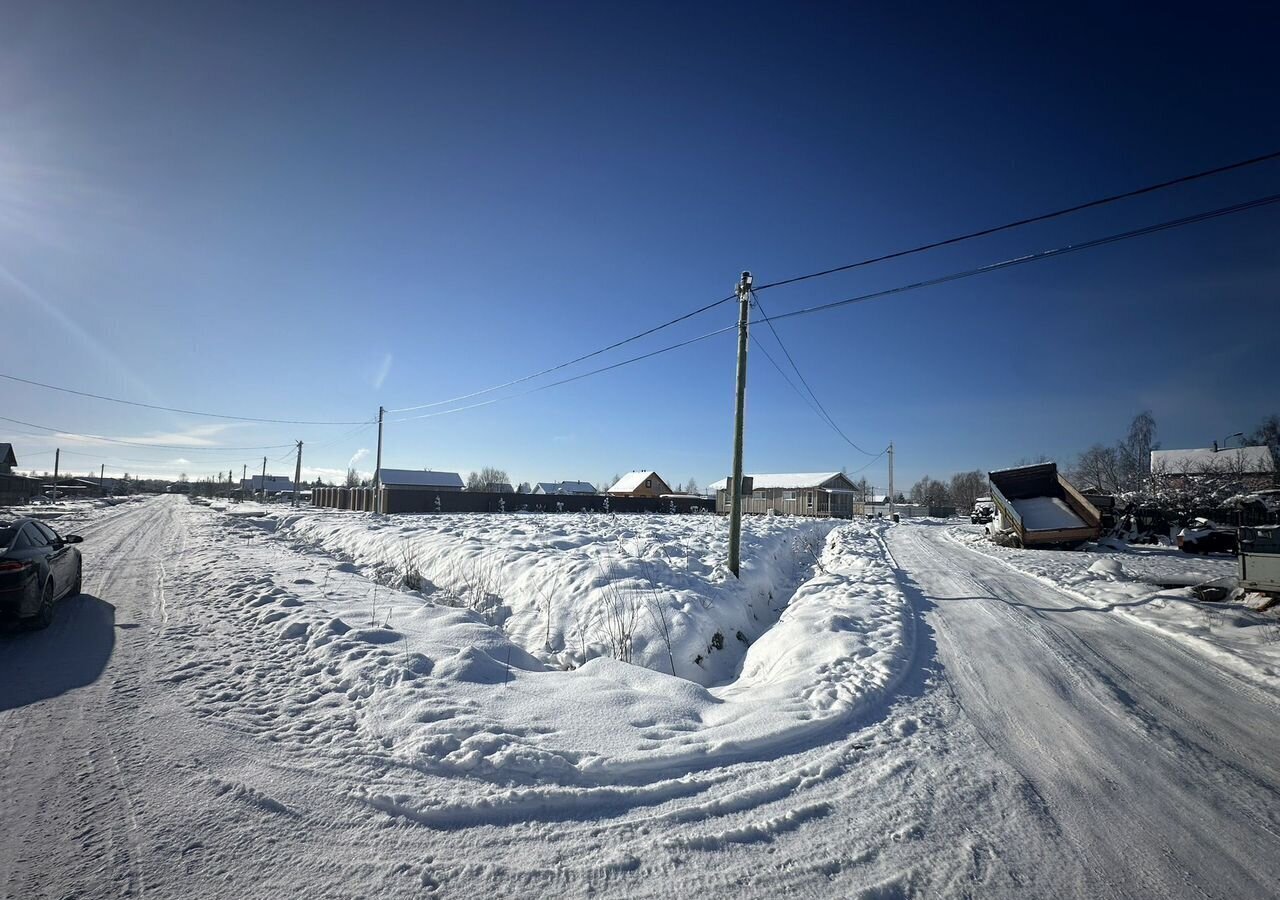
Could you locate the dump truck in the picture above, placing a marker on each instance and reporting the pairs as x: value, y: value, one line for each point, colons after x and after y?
x: 1038, y: 507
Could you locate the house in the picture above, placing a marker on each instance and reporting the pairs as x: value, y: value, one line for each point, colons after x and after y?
x: 276, y: 484
x: 818, y: 494
x: 564, y: 487
x: 1254, y: 468
x: 640, y: 484
x: 14, y: 488
x: 419, y: 480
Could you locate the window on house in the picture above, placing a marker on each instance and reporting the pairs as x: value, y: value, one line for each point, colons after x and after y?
x: 809, y: 499
x: 648, y: 482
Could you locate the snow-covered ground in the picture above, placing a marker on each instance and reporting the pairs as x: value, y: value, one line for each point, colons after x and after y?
x: 542, y: 647
x: 1153, y: 586
x: 250, y: 702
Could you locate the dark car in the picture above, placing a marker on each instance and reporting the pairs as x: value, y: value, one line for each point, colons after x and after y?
x: 1204, y: 536
x: 38, y: 567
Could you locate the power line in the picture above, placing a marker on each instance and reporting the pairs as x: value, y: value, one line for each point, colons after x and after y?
x: 173, y: 409
x: 565, y: 365
x: 955, y: 276
x: 98, y: 437
x: 826, y: 415
x: 897, y: 254
x: 1036, y: 257
x: 871, y: 462
x: 578, y: 377
x: 1043, y: 217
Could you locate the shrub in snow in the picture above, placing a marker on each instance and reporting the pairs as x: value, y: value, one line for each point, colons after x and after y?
x: 606, y: 504
x: 559, y: 506
x: 437, y: 503
x: 502, y: 504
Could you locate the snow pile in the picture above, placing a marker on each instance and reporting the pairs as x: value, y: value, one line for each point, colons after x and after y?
x: 448, y: 692
x: 650, y: 590
x: 1153, y: 585
x: 1046, y: 514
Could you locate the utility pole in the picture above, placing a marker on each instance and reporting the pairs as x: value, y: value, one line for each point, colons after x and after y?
x: 891, y: 495
x: 57, y: 455
x: 735, y: 483
x: 377, y: 471
x: 101, y: 470
x: 297, y: 475
x: 264, y: 479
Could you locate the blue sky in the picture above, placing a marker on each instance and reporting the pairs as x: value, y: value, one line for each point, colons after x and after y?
x: 307, y: 212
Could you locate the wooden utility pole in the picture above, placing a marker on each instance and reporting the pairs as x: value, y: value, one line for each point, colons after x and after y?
x: 297, y: 474
x: 264, y: 479
x: 57, y: 455
x: 101, y: 470
x: 377, y: 470
x: 892, y: 498
x: 735, y: 482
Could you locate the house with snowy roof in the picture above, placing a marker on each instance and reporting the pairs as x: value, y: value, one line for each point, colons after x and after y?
x: 419, y: 480
x: 1253, y: 467
x: 564, y: 487
x: 639, y: 484
x: 817, y: 494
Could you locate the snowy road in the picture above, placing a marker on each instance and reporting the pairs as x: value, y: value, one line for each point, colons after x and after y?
x: 1159, y: 766
x: 1035, y: 749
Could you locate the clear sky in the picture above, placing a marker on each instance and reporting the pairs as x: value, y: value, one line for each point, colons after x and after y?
x: 304, y: 212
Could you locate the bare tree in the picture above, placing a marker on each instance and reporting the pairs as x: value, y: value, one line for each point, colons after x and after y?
x: 929, y: 492
x: 691, y: 486
x: 524, y: 488
x: 487, y: 479
x: 353, y: 478
x: 1135, y: 451
x: 967, y: 487
x: 1098, y: 469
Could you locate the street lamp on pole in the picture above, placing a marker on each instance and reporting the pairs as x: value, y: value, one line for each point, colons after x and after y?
x: 1227, y: 439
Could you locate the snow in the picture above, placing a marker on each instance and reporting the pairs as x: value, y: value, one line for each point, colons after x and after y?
x: 783, y: 482
x: 631, y: 481
x: 1152, y: 585
x: 1046, y: 514
x: 918, y: 715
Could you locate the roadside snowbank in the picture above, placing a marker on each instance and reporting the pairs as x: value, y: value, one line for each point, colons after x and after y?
x: 653, y: 590
x: 1153, y: 586
x: 445, y: 691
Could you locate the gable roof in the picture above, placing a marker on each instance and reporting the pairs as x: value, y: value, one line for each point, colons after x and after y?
x: 6, y: 455
x: 632, y: 480
x: 1205, y: 460
x: 419, y: 478
x: 577, y: 487
x: 563, y: 487
x: 786, y: 481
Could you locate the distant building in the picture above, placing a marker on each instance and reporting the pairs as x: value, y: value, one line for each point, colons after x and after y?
x: 419, y: 479
x: 817, y: 494
x: 501, y: 487
x: 276, y: 484
x: 1253, y: 467
x: 640, y: 484
x: 14, y: 488
x: 564, y: 487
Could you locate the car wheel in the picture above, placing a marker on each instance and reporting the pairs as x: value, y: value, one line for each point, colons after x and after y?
x: 78, y: 588
x: 44, y: 615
